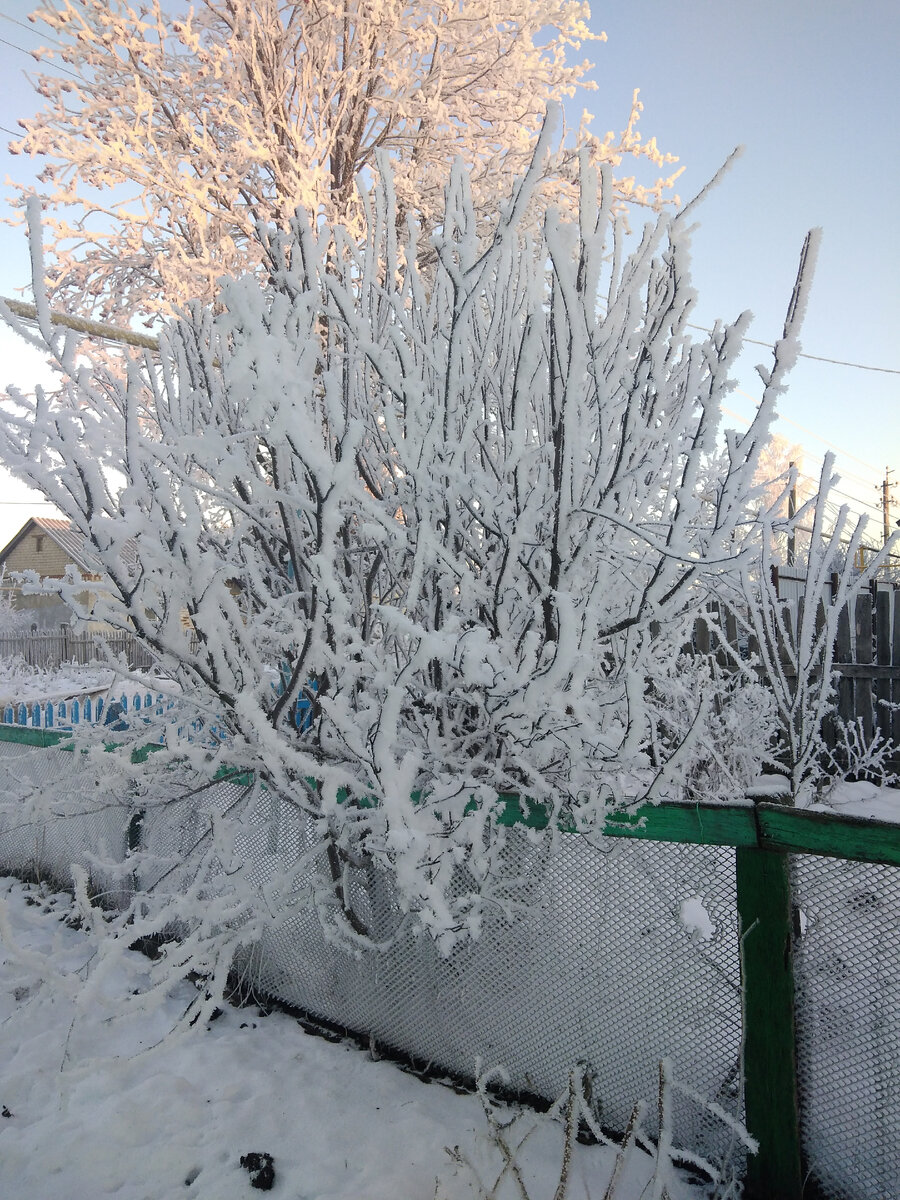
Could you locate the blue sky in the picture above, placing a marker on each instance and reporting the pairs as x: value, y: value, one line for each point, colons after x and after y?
x: 811, y: 90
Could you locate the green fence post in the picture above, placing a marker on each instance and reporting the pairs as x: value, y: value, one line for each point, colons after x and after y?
x: 770, y: 1064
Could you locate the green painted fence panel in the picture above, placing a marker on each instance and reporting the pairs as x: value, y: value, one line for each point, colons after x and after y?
x: 770, y: 1067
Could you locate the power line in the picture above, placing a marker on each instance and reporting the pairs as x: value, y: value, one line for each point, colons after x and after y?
x: 15, y: 21
x: 817, y: 463
x: 835, y: 362
x: 30, y: 53
x: 862, y: 462
x: 854, y: 500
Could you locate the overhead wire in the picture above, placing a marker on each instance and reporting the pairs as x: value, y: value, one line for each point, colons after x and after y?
x: 810, y: 432
x: 701, y: 328
x: 856, y: 501
x: 835, y: 362
x: 15, y: 21
x: 23, y: 50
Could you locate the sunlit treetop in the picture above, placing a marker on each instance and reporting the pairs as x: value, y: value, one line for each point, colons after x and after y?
x: 173, y: 135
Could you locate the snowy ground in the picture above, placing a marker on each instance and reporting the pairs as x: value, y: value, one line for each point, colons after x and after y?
x: 21, y: 684
x: 96, y: 1104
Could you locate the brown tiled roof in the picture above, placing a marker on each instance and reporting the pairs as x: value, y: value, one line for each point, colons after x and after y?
x: 67, y: 538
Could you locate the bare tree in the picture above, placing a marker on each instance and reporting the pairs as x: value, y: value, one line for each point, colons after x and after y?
x: 182, y: 133
x: 437, y: 540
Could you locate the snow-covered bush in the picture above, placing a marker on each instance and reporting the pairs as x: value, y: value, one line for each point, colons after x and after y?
x: 794, y: 641
x: 456, y: 525
x: 13, y: 620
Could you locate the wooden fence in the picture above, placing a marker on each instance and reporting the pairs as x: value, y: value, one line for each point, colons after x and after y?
x: 867, y: 656
x: 763, y: 835
x: 81, y: 710
x: 44, y: 649
x: 866, y: 659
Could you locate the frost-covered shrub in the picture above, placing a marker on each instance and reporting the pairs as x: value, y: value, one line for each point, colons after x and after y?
x: 794, y: 642
x: 13, y: 621
x: 460, y: 522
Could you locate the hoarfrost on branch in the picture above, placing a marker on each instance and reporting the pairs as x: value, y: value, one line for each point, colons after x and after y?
x: 406, y: 539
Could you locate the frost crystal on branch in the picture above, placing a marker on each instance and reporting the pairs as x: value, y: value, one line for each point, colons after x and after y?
x: 173, y: 134
x: 426, y: 535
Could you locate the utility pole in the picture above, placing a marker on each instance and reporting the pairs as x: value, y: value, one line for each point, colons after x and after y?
x: 886, y: 502
x: 792, y: 512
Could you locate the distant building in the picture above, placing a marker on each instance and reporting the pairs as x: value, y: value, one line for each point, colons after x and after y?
x: 48, y: 546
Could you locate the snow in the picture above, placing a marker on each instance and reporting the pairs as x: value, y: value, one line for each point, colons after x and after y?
x: 98, y: 1102
x: 696, y: 919
x: 862, y: 800
x: 22, y: 684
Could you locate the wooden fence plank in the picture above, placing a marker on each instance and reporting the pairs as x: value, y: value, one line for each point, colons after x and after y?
x: 834, y: 835
x: 866, y: 671
x: 31, y: 737
x: 863, y: 687
x: 701, y: 637
x: 699, y: 824
x: 843, y: 652
x: 764, y: 825
x: 883, y: 658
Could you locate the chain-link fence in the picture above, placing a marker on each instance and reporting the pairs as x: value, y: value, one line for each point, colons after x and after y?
x: 59, y: 815
x: 611, y: 954
x: 847, y: 970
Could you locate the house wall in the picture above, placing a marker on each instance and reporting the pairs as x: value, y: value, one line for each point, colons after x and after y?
x: 46, y: 613
x: 49, y: 560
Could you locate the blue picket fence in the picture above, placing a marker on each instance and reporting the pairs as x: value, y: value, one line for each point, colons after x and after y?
x: 64, y: 714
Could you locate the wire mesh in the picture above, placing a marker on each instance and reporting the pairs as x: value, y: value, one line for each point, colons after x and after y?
x: 593, y: 954
x: 847, y: 971
x: 588, y: 962
x: 55, y: 812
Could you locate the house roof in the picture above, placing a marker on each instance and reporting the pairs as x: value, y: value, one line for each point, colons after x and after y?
x: 70, y: 540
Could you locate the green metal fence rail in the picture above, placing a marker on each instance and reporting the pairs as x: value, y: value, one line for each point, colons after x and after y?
x: 763, y: 834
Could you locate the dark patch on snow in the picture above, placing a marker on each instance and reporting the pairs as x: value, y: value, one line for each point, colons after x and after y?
x: 261, y: 1168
